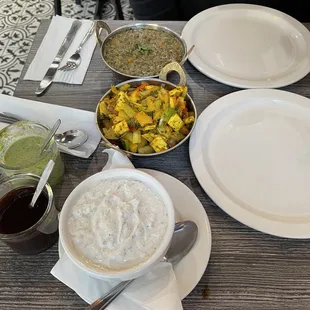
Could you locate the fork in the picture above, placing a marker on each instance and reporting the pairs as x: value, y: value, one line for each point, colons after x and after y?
x: 75, y: 59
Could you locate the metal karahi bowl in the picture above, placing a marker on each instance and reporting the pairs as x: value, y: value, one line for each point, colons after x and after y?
x: 152, y: 81
x: 101, y: 25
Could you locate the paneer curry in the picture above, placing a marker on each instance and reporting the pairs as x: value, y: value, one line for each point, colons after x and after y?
x: 145, y: 119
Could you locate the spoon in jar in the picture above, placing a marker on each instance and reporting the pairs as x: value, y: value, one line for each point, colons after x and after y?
x: 183, y: 239
x: 43, y: 180
x: 50, y: 135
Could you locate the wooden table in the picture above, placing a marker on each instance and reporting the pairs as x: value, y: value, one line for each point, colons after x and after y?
x: 247, y: 269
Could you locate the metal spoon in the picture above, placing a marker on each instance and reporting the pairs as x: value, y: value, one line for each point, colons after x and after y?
x: 183, y: 239
x: 187, y: 54
x: 72, y: 138
x: 50, y: 135
x: 43, y: 180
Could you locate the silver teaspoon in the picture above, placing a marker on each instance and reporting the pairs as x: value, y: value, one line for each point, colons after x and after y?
x: 50, y: 135
x: 42, y: 182
x: 183, y: 239
x: 72, y: 138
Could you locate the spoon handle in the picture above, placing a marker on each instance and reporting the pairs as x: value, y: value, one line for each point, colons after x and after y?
x: 10, y: 115
x: 187, y: 54
x: 50, y: 135
x: 103, y: 302
x: 43, y: 180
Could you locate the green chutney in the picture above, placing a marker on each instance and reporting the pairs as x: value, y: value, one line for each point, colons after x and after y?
x: 24, y: 154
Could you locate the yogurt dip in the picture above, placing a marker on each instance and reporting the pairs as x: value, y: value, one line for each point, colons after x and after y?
x: 118, y: 224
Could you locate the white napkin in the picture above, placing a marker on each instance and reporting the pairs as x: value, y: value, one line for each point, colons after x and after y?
x: 156, y: 290
x: 50, y: 45
x: 49, y: 113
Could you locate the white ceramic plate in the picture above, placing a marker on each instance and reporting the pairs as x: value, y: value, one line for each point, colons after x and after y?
x: 248, y: 46
x: 250, y: 151
x: 188, y: 207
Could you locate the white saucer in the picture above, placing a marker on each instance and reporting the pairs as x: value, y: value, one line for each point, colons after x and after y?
x: 188, y: 207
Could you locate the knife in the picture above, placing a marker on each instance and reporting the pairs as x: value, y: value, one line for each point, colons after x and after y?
x: 49, y: 75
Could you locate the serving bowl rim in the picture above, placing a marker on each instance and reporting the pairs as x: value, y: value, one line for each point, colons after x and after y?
x: 147, y: 80
x: 146, y: 26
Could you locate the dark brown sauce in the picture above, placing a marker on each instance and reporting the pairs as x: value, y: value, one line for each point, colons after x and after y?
x: 16, y: 217
x: 15, y: 213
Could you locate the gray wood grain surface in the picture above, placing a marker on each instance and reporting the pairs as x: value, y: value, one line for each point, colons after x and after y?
x: 247, y: 269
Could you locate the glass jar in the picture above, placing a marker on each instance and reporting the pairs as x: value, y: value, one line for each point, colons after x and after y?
x: 20, y: 147
x: 41, y: 235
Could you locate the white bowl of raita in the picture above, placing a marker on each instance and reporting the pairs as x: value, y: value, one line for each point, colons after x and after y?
x: 117, y: 224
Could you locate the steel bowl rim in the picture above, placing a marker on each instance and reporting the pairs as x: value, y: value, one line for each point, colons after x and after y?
x: 140, y: 80
x: 147, y: 26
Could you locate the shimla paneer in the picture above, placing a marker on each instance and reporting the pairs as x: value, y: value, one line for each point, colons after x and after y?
x: 146, y: 119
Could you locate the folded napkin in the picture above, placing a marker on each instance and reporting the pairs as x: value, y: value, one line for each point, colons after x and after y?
x: 48, y: 114
x: 50, y: 45
x: 156, y: 290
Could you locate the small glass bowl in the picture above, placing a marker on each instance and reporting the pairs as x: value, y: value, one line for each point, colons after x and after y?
x: 22, y: 129
x: 44, y: 233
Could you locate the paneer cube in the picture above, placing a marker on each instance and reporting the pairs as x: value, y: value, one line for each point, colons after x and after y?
x: 148, y: 137
x: 117, y: 119
x: 175, y: 122
x: 172, y: 102
x: 103, y: 108
x: 151, y: 106
x: 143, y: 119
x: 176, y: 91
x: 189, y: 120
x: 120, y: 128
x: 121, y: 100
x: 159, y: 144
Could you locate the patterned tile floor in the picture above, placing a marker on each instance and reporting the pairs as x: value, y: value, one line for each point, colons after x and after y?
x: 19, y: 21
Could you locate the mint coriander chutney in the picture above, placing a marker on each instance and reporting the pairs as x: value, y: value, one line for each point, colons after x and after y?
x: 20, y: 151
x: 24, y: 152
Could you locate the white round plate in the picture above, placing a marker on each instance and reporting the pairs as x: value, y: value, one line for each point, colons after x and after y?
x: 248, y: 46
x: 250, y: 151
x: 188, y: 207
